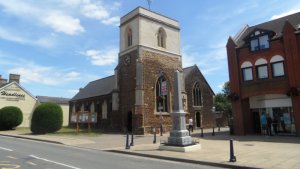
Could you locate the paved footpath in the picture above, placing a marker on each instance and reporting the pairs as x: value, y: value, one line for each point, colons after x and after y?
x: 276, y: 152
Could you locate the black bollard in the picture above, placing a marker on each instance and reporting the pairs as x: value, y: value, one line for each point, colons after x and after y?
x: 202, y: 132
x: 213, y: 133
x: 161, y: 130
x: 127, y: 141
x: 232, y: 157
x: 154, y: 139
x: 131, y: 144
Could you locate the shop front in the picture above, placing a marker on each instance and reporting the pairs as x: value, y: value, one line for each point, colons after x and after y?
x: 274, y: 111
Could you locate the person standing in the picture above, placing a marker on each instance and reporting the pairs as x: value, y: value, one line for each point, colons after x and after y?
x: 263, y: 121
x: 269, y: 123
x: 275, y: 124
x: 191, y: 127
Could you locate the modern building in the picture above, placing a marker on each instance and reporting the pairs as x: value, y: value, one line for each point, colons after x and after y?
x: 264, y: 66
x: 13, y: 94
x: 139, y: 95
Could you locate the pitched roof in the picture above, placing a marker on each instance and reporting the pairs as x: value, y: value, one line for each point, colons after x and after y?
x: 17, y: 84
x: 58, y: 100
x: 188, y: 70
x: 96, y: 88
x: 275, y: 26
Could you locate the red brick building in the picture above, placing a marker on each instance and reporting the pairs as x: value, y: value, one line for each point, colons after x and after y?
x: 264, y: 73
x: 139, y: 96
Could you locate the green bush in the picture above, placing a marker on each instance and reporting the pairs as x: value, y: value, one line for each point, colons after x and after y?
x: 10, y: 117
x: 46, y: 118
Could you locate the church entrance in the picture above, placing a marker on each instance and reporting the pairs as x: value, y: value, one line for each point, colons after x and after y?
x: 129, y: 121
x: 198, y: 119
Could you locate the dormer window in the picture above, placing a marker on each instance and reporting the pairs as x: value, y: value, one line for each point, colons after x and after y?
x: 259, y: 40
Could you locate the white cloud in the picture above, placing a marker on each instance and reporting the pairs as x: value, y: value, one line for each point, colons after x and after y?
x: 209, y: 62
x: 16, y: 37
x: 112, y: 21
x: 285, y: 13
x: 102, y: 58
x: 33, y: 73
x: 63, y: 23
x: 94, y: 11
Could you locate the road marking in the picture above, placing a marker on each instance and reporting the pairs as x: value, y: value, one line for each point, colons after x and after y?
x: 30, y: 163
x: 6, y: 149
x: 12, y: 157
x: 54, y: 162
x: 9, y: 166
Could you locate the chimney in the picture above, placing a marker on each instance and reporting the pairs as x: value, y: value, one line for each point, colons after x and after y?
x: 14, y: 78
x: 2, y: 81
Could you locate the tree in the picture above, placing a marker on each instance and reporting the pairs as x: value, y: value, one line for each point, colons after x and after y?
x: 222, y: 102
x: 46, y: 118
x: 10, y: 117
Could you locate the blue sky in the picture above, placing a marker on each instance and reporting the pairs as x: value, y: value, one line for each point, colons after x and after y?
x: 58, y: 46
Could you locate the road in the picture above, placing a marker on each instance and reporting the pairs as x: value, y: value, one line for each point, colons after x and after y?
x: 21, y: 153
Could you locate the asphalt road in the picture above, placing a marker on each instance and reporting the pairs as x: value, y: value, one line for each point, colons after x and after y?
x: 20, y: 153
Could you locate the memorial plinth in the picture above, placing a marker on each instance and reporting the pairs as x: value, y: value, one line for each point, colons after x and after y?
x: 179, y: 139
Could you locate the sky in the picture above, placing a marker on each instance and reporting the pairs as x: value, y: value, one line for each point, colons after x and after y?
x: 59, y: 46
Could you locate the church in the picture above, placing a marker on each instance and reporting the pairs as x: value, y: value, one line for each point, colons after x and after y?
x: 139, y: 96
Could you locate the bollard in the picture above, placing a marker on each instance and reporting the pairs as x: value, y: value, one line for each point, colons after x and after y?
x: 202, y: 132
x: 232, y: 157
x: 213, y: 133
x: 154, y: 139
x: 127, y: 142
x: 161, y: 130
x: 131, y: 144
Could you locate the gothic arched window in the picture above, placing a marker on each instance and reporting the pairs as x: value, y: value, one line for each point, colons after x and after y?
x: 129, y: 37
x: 162, y: 95
x: 161, y: 38
x: 197, y: 97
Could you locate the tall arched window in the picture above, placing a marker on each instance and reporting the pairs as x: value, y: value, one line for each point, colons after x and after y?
x: 129, y: 37
x: 104, y: 110
x: 197, y: 97
x: 161, y: 38
x: 162, y: 94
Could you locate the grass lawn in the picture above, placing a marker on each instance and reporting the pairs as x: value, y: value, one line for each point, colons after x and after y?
x: 66, y: 131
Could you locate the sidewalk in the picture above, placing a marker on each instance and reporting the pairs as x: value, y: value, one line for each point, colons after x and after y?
x: 276, y: 152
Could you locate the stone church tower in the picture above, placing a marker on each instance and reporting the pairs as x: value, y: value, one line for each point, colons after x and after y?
x: 149, y: 55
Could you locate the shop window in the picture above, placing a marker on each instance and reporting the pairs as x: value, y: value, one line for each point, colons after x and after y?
x: 197, y: 96
x: 162, y: 94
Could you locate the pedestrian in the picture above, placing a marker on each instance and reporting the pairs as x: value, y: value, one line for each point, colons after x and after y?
x: 191, y: 124
x: 263, y: 121
x: 275, y: 124
x: 269, y: 123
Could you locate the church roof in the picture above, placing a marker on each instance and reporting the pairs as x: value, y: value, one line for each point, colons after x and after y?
x: 275, y: 26
x: 189, y: 70
x: 58, y: 100
x: 95, y: 88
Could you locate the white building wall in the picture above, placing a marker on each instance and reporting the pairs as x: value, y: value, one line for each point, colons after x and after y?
x: 27, y: 103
